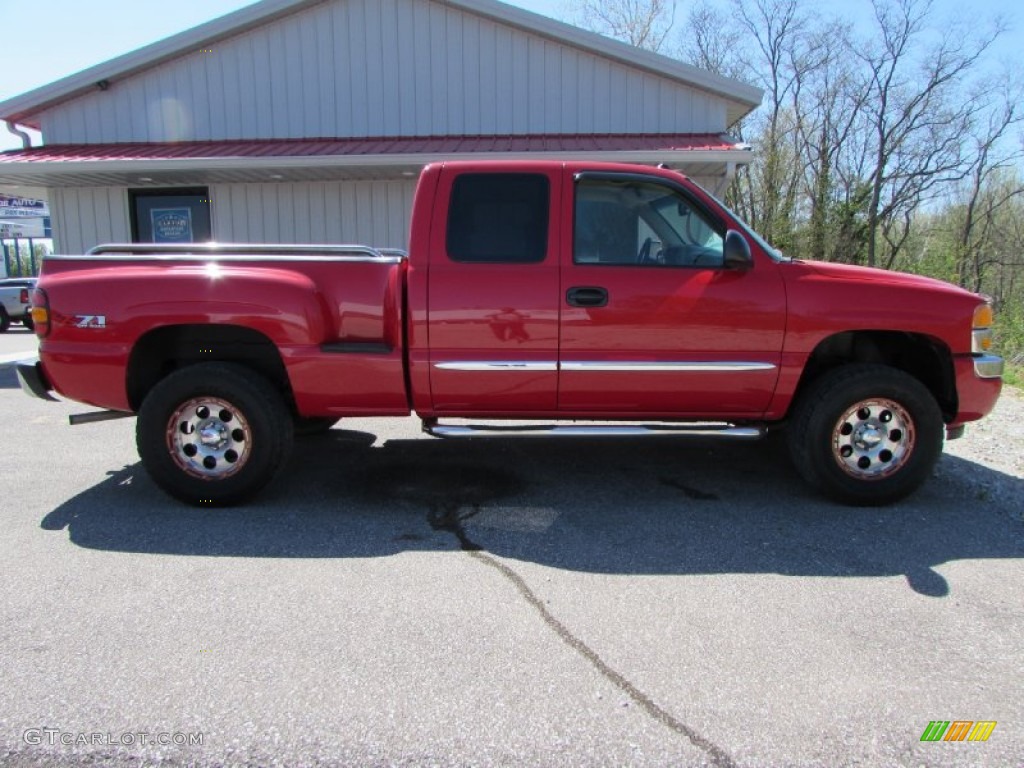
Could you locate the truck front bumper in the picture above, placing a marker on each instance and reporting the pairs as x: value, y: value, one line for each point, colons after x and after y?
x: 33, y: 379
x: 978, y: 383
x: 988, y: 367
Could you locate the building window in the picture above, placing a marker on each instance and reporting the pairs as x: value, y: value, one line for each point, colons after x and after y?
x: 180, y: 215
x: 499, y: 218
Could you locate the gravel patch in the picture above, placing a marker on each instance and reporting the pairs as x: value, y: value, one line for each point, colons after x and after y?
x: 995, y: 442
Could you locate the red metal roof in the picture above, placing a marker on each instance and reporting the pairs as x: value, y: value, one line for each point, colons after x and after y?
x: 376, y: 146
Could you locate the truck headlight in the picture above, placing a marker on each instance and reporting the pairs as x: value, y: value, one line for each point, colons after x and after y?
x: 981, y: 329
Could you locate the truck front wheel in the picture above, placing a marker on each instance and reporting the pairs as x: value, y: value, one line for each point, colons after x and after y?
x: 866, y: 435
x: 213, y: 434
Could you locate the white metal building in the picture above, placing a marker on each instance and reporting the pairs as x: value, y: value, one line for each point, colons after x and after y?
x: 308, y: 120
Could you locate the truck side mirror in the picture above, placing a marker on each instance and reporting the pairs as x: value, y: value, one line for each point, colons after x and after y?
x: 737, y: 251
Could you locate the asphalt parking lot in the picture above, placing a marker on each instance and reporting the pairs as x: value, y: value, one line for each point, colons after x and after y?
x: 398, y: 600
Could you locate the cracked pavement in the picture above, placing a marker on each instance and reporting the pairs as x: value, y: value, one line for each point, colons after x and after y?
x: 398, y: 600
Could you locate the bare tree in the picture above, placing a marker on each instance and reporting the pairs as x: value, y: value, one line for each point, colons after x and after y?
x: 828, y: 93
x: 988, y: 190
x: 711, y: 41
x: 777, y: 31
x: 643, y: 23
x: 917, y: 114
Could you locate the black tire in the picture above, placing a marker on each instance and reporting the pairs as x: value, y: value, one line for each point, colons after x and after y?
x: 28, y: 323
x: 866, y: 435
x: 306, y: 426
x: 5, y: 320
x: 246, y: 423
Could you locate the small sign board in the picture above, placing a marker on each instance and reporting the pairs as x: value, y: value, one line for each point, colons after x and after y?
x: 22, y: 208
x: 171, y: 225
x: 24, y: 228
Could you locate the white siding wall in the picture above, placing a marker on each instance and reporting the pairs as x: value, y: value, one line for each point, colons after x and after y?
x: 332, y: 212
x: 382, y: 68
x: 87, y: 216
x: 370, y: 212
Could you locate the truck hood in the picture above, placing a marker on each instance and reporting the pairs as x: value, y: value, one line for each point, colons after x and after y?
x: 850, y: 272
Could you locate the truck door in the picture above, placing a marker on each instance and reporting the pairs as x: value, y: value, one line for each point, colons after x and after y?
x: 652, y: 321
x: 493, y: 291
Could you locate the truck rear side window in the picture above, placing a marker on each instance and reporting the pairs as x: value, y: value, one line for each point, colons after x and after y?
x: 499, y: 218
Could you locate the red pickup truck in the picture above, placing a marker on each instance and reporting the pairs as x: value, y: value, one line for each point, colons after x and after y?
x: 598, y: 299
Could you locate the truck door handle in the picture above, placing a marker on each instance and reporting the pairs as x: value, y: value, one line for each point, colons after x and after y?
x: 587, y: 296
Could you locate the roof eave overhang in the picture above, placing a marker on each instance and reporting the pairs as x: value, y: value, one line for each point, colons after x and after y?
x: 138, y: 172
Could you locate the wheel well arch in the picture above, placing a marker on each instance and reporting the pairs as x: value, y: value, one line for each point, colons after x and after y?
x: 926, y: 359
x: 166, y: 349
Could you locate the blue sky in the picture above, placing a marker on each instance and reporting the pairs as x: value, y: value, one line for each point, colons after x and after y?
x: 40, y: 47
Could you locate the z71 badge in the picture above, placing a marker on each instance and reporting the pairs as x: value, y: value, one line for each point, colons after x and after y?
x: 90, y: 321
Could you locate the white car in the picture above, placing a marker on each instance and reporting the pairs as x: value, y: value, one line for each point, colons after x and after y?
x: 16, y: 301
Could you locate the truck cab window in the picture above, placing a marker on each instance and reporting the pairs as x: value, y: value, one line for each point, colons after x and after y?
x: 642, y: 223
x: 499, y: 218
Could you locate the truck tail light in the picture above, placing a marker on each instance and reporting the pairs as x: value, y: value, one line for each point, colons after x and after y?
x: 981, y: 333
x: 41, y: 312
x: 23, y: 296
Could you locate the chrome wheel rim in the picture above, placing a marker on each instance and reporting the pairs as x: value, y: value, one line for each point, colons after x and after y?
x: 209, y: 438
x: 873, y: 439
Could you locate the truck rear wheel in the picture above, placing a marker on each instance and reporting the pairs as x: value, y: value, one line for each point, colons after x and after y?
x: 5, y: 320
x: 213, y: 434
x: 866, y: 435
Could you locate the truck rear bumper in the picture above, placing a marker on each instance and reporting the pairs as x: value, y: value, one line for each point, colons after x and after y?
x: 33, y: 379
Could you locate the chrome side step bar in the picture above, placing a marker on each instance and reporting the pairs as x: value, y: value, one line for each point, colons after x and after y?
x: 726, y: 431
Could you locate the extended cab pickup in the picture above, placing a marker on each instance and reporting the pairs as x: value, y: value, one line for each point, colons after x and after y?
x: 532, y: 291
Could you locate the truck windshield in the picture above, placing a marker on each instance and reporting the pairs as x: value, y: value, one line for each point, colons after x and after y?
x: 775, y: 253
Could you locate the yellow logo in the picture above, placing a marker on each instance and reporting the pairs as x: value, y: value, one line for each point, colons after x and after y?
x: 958, y: 730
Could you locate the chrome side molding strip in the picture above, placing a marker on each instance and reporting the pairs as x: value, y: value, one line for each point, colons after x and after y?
x: 711, y: 366
x: 598, y: 366
x: 497, y: 365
